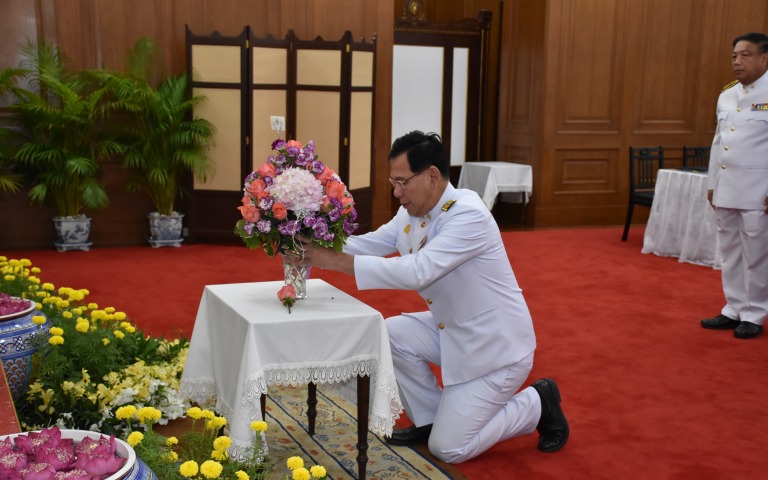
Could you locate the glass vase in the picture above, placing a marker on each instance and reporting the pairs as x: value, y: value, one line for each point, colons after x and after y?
x: 296, y: 274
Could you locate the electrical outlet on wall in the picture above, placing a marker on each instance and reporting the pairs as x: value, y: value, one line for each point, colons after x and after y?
x: 278, y: 123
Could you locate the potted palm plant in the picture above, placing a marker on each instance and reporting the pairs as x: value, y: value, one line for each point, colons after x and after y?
x: 165, y: 144
x: 58, y: 119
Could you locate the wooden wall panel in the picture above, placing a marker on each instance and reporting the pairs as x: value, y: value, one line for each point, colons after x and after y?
x: 613, y: 74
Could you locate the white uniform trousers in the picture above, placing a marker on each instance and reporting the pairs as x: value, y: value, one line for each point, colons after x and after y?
x: 743, y: 236
x: 470, y: 417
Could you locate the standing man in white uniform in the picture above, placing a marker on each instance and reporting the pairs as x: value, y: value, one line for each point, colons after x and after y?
x: 738, y: 189
x: 477, y: 328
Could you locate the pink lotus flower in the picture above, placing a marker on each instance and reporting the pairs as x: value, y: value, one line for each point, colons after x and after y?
x: 59, y: 457
x: 75, y: 474
x: 37, y: 471
x: 11, y: 462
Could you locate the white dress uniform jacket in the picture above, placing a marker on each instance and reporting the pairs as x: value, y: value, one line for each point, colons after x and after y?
x: 455, y: 258
x: 738, y: 167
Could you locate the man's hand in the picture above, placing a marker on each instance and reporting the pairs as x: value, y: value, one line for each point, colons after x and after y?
x: 326, y: 258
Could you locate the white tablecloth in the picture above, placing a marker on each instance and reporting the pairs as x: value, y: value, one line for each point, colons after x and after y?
x: 682, y: 223
x: 513, y: 180
x: 244, y: 340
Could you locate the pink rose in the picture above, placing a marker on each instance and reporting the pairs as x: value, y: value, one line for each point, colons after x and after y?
x: 327, y: 174
x: 348, y: 204
x: 250, y: 213
x: 279, y: 211
x: 327, y: 205
x: 287, y: 295
x: 293, y: 143
x: 266, y: 170
x: 257, y: 188
x: 246, y: 200
x: 335, y: 189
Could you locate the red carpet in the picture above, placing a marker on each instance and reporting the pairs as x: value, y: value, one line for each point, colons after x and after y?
x: 648, y: 393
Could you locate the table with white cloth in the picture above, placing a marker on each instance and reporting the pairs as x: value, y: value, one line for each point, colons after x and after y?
x: 682, y: 223
x: 245, y: 340
x: 514, y: 181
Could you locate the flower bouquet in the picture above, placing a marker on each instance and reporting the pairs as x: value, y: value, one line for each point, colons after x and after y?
x: 291, y: 194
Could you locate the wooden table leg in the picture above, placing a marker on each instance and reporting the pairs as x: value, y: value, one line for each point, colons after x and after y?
x: 312, y: 404
x: 363, y: 401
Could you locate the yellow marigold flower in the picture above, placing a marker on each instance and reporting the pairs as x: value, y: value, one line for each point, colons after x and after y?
x: 219, y: 455
x: 294, y: 462
x: 9, y: 278
x: 125, y: 412
x: 38, y: 319
x: 86, y: 377
x: 148, y: 415
x: 62, y: 303
x: 135, y: 438
x: 33, y: 279
x: 110, y: 309
x: 83, y: 327
x: 172, y: 457
x: 84, y: 291
x: 56, y: 331
x: 118, y: 334
x: 211, y: 469
x: 130, y: 329
x: 301, y: 474
x: 241, y: 475
x: 259, y: 426
x: 93, y: 306
x: 41, y: 294
x: 207, y: 414
x: 48, y: 286
x: 36, y: 270
x: 56, y: 340
x: 105, y: 341
x: 67, y: 386
x: 222, y: 443
x: 318, y: 471
x: 172, y: 441
x: 66, y: 314
x: 188, y: 469
x: 120, y: 316
x: 216, y: 423
x: 195, y: 412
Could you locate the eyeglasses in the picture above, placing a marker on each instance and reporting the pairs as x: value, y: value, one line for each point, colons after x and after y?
x: 403, y: 183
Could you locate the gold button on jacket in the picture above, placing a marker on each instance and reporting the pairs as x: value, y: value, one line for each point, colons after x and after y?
x: 441, y: 326
x: 429, y: 301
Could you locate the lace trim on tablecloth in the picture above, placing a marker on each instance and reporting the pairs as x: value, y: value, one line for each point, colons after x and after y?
x: 203, y: 393
x: 301, y: 374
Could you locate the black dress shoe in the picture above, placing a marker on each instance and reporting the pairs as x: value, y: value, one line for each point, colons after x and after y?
x: 720, y: 322
x: 748, y: 330
x: 410, y: 436
x: 552, y: 427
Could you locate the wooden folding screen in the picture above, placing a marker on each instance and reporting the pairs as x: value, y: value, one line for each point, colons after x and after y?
x: 323, y: 89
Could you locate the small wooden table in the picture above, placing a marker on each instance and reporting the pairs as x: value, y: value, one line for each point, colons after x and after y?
x: 245, y: 340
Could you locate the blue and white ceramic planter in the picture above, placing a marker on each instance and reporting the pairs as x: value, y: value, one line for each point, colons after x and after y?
x: 166, y: 230
x: 72, y: 233
x: 17, y: 332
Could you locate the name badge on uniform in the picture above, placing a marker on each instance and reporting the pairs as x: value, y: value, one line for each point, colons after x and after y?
x: 758, y: 107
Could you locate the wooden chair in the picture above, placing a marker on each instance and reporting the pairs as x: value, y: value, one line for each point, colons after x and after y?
x: 696, y: 158
x: 644, y: 162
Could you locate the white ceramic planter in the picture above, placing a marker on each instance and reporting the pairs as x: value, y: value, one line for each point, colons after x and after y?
x: 165, y: 230
x: 72, y: 233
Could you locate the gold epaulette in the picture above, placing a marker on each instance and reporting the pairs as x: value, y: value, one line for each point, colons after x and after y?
x: 729, y: 86
x: 447, y: 206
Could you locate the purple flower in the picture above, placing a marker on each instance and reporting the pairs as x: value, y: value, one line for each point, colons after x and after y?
x: 280, y: 160
x: 309, y: 149
x: 268, y: 180
x: 301, y: 160
x: 349, y: 228
x: 320, y: 228
x: 251, y: 177
x: 328, y: 237
x: 309, y: 221
x: 334, y: 215
x: 290, y: 228
x: 352, y: 215
x: 318, y: 167
x: 292, y: 150
x: 264, y: 226
x: 266, y: 203
x: 278, y: 144
x: 248, y: 227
